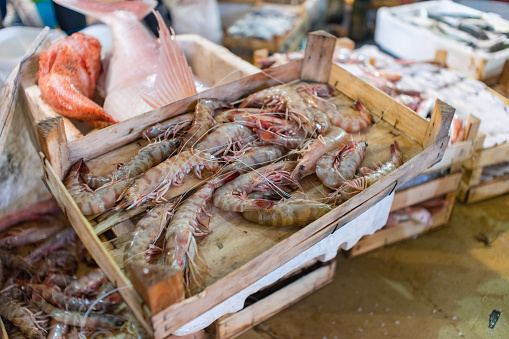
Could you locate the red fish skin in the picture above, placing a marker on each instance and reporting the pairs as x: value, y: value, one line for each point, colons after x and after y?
x: 68, y: 73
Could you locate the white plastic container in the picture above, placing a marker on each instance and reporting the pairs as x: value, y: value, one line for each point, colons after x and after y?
x: 407, y: 41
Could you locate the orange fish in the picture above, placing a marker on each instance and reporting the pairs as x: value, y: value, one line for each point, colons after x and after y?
x: 142, y: 72
x: 68, y: 73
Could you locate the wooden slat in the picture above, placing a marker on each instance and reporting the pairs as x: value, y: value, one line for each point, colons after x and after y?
x: 92, y: 243
x: 430, y: 189
x: 403, y: 231
x: 489, y: 156
x: 317, y: 62
x: 437, y: 129
x: 379, y: 103
x: 53, y: 143
x: 486, y: 190
x: 457, y: 153
x: 472, y: 178
x: 3, y: 332
x: 127, y: 131
x: 237, y: 323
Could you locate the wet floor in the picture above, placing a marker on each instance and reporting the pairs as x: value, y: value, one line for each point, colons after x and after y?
x: 443, y: 284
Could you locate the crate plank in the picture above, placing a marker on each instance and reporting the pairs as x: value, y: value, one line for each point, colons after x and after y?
x: 237, y: 323
x: 431, y: 189
x: 484, y: 190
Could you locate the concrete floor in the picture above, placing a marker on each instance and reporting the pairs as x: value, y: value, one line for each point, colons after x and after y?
x: 444, y: 284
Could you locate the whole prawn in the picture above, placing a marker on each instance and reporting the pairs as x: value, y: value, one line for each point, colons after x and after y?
x: 180, y: 243
x: 334, y: 169
x: 53, y: 295
x: 57, y: 330
x: 93, y: 202
x: 233, y: 195
x: 310, y: 94
x: 226, y: 137
x: 154, y: 183
x: 87, y: 284
x: 31, y: 232
x: 289, y: 212
x: 147, y: 157
x: 349, y: 119
x: 335, y: 138
x: 352, y: 187
x: 286, y: 98
x: 92, y: 321
x: 22, y: 317
x: 203, y: 120
x: 269, y: 128
x: 33, y: 212
x: 254, y: 157
x: 61, y: 261
x: 61, y: 239
x: 170, y: 127
x: 146, y: 233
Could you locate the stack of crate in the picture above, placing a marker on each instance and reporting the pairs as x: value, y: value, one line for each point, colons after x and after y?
x: 477, y: 184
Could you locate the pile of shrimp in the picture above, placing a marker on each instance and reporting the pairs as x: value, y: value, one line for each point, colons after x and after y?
x: 258, y: 152
x: 49, y: 285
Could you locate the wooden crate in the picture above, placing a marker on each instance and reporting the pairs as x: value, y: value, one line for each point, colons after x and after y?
x: 211, y: 63
x: 273, y: 299
x: 290, y: 41
x: 423, y: 143
x: 472, y: 189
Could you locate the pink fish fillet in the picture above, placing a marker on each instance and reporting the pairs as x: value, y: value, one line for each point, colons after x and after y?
x: 143, y: 73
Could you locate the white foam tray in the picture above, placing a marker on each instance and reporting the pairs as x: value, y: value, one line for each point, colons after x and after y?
x: 407, y: 41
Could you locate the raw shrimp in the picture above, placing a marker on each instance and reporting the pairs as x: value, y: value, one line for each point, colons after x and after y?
x: 58, y: 330
x: 93, y: 202
x: 92, y: 321
x: 58, y: 279
x: 335, y: 138
x: 180, y: 242
x: 334, y: 169
x: 279, y: 131
x: 31, y: 232
x: 60, y: 240
x: 307, y: 92
x: 61, y: 261
x: 22, y: 317
x: 33, y: 212
x: 226, y: 137
x: 203, y: 120
x: 154, y: 183
x: 290, y: 212
x: 147, y: 157
x: 14, y: 333
x: 87, y: 284
x: 170, y: 127
x: 146, y: 233
x: 415, y: 213
x: 286, y: 98
x: 349, y: 188
x: 349, y: 119
x: 254, y: 158
x: 233, y: 195
x: 270, y: 129
x: 15, y: 263
x: 56, y: 297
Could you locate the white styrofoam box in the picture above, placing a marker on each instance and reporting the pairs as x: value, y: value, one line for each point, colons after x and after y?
x: 343, y: 238
x: 407, y: 41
